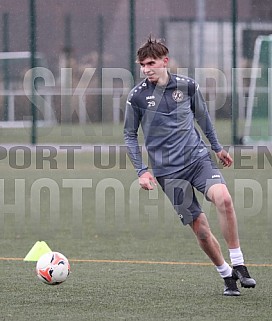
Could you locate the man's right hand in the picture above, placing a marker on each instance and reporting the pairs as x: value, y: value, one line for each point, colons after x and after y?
x: 147, y: 181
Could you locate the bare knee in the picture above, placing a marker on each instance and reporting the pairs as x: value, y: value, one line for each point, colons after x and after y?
x: 201, y: 228
x: 224, y: 203
x: 221, y: 197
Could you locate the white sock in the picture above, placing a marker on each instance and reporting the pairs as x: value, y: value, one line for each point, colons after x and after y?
x: 236, y: 257
x: 224, y: 270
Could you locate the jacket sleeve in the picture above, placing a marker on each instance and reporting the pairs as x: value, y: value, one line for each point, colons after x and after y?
x: 131, y: 126
x: 202, y: 116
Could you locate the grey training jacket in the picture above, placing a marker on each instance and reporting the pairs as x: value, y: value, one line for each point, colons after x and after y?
x: 166, y: 115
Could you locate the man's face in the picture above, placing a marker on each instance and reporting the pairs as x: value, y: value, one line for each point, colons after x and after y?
x: 154, y: 69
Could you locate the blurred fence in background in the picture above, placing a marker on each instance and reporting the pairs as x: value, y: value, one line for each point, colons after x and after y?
x: 96, y: 34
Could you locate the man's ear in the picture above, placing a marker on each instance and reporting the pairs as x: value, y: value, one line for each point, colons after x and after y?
x: 165, y: 60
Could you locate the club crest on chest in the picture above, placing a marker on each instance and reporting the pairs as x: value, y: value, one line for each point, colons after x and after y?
x: 177, y: 95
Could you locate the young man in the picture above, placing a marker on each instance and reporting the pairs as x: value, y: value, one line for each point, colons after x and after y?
x: 166, y: 105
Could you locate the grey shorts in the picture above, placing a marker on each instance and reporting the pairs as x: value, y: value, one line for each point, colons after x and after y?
x: 179, y: 186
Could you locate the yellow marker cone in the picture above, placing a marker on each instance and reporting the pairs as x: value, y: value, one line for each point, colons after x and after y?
x: 38, y: 249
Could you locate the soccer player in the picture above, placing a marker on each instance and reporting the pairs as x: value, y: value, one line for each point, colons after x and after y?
x: 166, y: 105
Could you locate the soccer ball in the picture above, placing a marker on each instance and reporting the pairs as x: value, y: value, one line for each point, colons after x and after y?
x: 53, y: 268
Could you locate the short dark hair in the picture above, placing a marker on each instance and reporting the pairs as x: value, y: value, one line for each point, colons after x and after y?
x: 153, y: 48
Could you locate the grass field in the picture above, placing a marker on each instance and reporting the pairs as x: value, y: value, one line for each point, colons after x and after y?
x: 131, y: 259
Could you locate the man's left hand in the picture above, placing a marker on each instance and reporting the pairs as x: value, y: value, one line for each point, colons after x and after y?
x: 224, y: 158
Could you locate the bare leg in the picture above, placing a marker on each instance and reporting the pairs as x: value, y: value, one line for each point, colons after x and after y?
x: 222, y: 200
x: 220, y: 196
x: 207, y: 240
